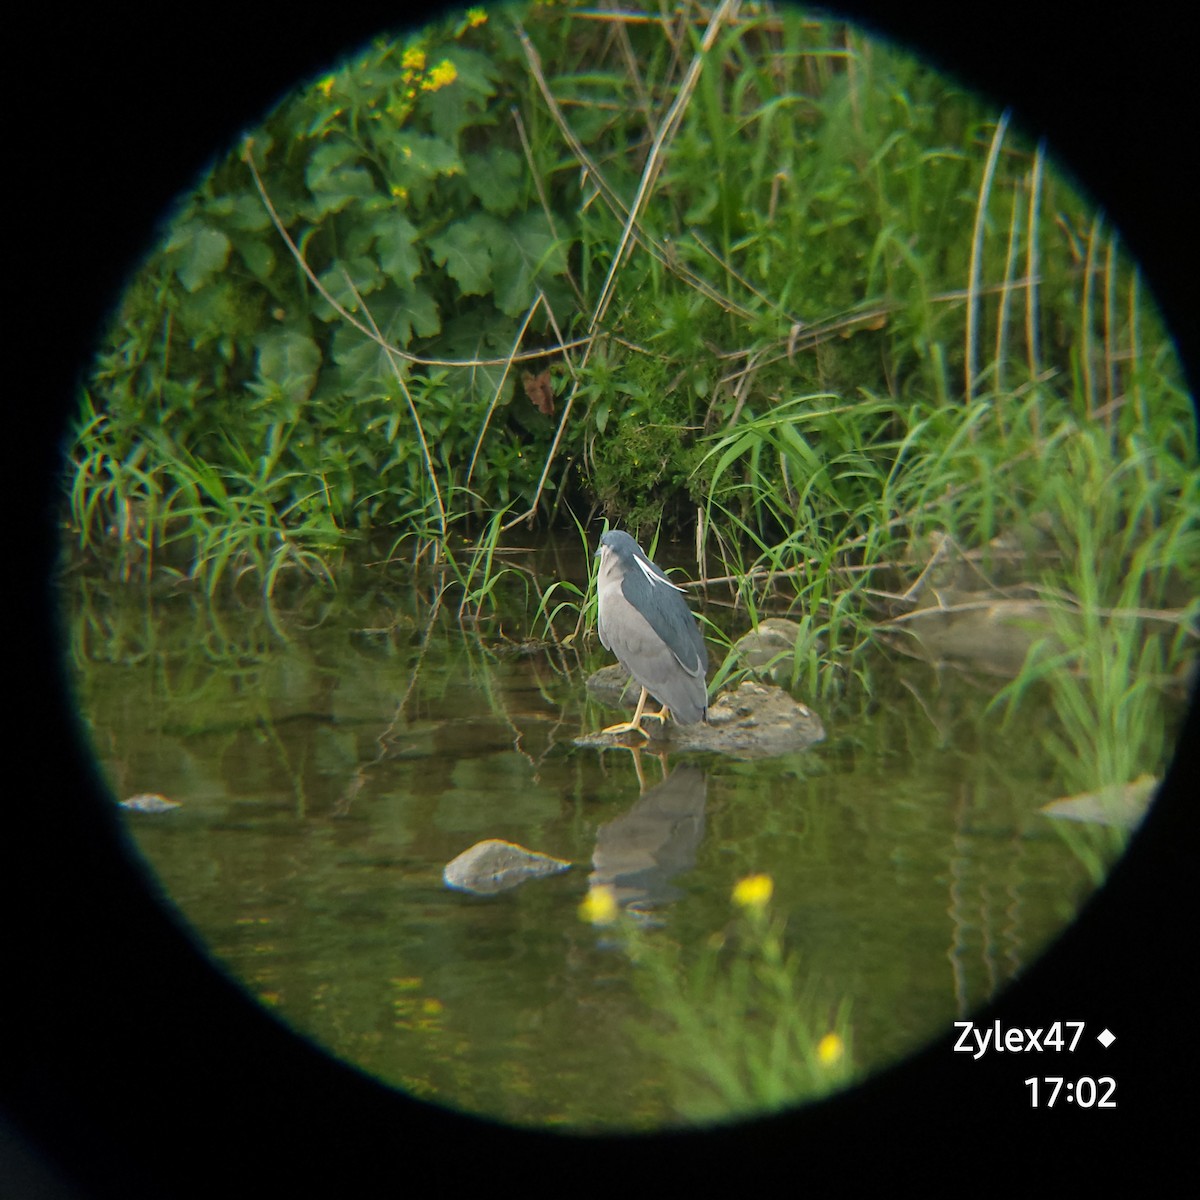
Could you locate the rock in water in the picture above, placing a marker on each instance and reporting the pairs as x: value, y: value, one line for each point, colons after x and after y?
x: 757, y: 720
x: 149, y: 802
x: 1123, y: 806
x: 496, y: 866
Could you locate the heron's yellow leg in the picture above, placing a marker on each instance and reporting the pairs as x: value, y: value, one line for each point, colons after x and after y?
x: 634, y: 726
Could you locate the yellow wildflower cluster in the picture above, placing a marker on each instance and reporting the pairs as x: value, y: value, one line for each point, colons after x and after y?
x: 754, y: 892
x: 830, y: 1049
x: 445, y: 72
x: 414, y: 61
x: 599, y: 906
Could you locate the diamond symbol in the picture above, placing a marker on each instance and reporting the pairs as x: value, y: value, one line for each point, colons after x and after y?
x: 1106, y: 1039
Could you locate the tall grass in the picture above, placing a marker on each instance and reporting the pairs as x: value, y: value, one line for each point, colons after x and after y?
x: 781, y: 282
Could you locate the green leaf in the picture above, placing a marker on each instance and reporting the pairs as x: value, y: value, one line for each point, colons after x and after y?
x: 363, y: 272
x: 199, y: 252
x: 405, y: 313
x: 417, y: 156
x: 457, y: 104
x: 526, y: 250
x: 463, y: 248
x: 258, y: 256
x: 289, y: 360
x: 334, y: 179
x: 495, y: 178
x: 399, y: 258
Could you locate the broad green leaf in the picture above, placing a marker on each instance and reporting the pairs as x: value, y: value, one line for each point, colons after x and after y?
x: 416, y: 156
x: 335, y: 180
x: 495, y: 178
x: 199, y: 252
x: 289, y: 360
x: 399, y: 258
x: 527, y: 250
x: 405, y: 313
x: 364, y: 273
x: 258, y: 256
x: 463, y: 248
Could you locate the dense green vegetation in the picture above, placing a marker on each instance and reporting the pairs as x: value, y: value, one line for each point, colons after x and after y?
x: 795, y: 296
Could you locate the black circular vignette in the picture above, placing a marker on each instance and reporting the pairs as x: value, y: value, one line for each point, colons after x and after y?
x: 133, y: 1068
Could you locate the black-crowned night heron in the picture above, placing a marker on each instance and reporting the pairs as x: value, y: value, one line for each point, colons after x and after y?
x: 645, y: 621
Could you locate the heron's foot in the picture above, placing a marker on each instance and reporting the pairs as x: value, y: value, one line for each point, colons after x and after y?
x: 627, y: 727
x: 661, y: 715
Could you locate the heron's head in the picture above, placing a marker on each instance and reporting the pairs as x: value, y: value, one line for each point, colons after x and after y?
x: 616, y: 545
x: 619, y: 554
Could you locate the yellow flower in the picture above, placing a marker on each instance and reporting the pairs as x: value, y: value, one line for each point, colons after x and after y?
x: 754, y: 891
x: 475, y: 16
x: 830, y: 1049
x: 599, y: 906
x: 325, y: 86
x: 445, y: 72
x: 414, y: 59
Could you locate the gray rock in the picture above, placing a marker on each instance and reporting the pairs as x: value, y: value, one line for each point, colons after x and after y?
x: 614, y: 686
x: 768, y: 649
x: 756, y: 721
x: 1123, y: 806
x: 989, y: 632
x: 149, y: 802
x: 497, y: 866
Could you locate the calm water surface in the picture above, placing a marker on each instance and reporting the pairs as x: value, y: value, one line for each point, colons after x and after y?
x: 332, y: 754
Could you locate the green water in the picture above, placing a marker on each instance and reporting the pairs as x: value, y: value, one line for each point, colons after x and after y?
x: 333, y: 753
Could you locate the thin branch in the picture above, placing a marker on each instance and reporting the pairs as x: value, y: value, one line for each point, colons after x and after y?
x: 539, y: 300
x: 412, y: 408
x: 727, y: 10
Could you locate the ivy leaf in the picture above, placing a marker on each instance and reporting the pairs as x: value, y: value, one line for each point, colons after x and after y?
x: 244, y: 212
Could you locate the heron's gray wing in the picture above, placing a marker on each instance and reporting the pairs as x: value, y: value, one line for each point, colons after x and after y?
x: 668, y: 615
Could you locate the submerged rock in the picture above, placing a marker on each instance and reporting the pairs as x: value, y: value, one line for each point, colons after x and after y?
x: 990, y: 632
x: 757, y: 720
x: 1124, y: 805
x: 496, y: 866
x: 149, y: 802
x: 768, y: 648
x: 614, y: 686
